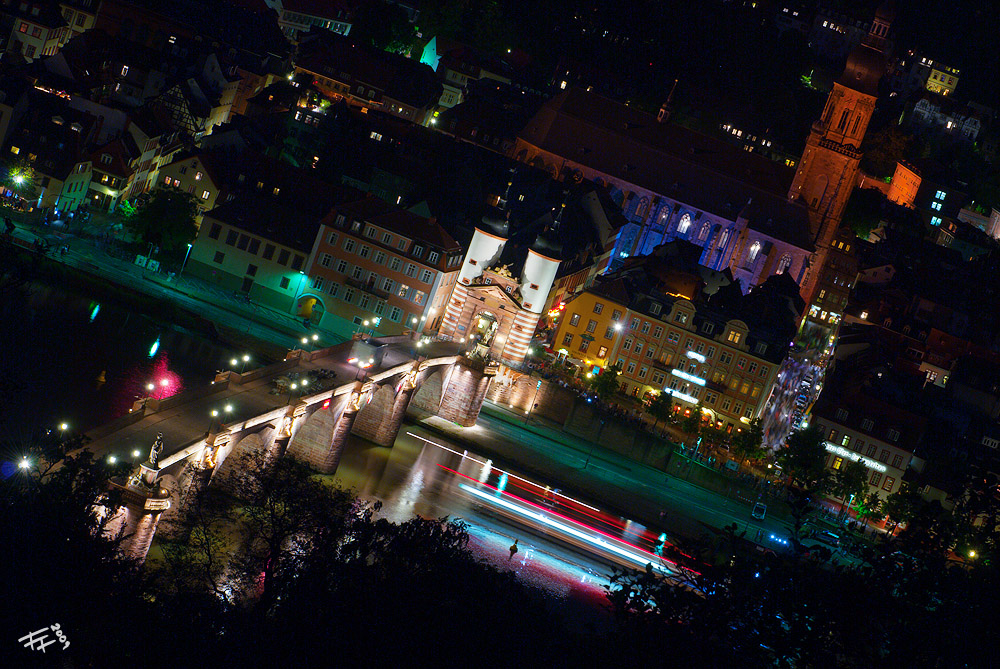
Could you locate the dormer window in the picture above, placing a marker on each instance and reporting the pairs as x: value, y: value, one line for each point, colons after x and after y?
x: 105, y: 158
x: 58, y: 120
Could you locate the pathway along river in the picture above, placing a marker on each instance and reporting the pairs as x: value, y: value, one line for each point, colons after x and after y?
x: 67, y: 359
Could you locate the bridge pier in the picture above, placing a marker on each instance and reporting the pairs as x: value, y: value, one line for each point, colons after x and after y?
x: 463, y: 396
x: 144, y: 501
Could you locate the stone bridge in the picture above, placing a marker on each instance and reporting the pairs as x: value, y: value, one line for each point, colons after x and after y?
x: 312, y: 429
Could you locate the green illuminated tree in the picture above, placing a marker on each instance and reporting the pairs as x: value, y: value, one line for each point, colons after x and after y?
x: 849, y: 481
x: 18, y: 176
x: 870, y: 506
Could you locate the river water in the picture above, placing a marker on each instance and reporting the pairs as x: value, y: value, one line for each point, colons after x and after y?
x: 67, y: 359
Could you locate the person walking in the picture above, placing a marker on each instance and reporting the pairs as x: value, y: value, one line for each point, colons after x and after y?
x: 513, y: 550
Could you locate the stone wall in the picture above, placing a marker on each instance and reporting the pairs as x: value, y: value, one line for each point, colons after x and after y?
x: 554, y: 402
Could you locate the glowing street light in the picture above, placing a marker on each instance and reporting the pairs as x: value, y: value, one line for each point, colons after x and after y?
x: 63, y: 426
x: 25, y: 464
x: 241, y: 361
x: 112, y: 459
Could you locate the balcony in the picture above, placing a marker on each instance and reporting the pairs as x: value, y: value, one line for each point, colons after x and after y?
x: 369, y: 287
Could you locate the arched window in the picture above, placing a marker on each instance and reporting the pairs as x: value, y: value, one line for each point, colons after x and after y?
x: 640, y: 211
x: 724, y: 239
x: 783, y: 264
x: 664, y: 216
x: 705, y: 229
x: 752, y: 253
x: 684, y: 225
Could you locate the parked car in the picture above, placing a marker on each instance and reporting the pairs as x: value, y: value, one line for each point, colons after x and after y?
x: 759, y: 511
x: 825, y: 538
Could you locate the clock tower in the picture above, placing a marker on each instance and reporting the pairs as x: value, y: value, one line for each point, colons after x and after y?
x: 828, y: 169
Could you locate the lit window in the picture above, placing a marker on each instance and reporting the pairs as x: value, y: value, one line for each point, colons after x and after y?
x: 936, y: 206
x: 864, y: 315
x: 124, y: 70
x: 935, y: 220
x: 198, y: 176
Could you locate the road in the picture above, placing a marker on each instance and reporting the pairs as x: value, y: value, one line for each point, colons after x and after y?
x: 563, y: 544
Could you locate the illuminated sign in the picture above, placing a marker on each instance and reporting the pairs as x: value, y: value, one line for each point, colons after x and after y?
x: 857, y: 457
x: 696, y: 356
x: 681, y: 396
x: 688, y: 377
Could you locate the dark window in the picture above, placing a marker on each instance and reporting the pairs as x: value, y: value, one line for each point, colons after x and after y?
x: 283, y: 257
x: 231, y: 237
x: 254, y: 246
x: 268, y: 251
x: 284, y: 282
x: 251, y: 270
x: 219, y: 257
x: 242, y: 243
x: 297, y: 262
x: 214, y: 231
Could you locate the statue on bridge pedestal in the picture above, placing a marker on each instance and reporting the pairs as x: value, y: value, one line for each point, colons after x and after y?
x: 154, y: 452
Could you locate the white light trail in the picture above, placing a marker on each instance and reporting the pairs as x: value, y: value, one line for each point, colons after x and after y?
x: 572, y: 531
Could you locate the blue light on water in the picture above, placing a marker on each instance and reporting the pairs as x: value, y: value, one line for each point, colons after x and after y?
x: 502, y: 483
x: 93, y: 313
x: 154, y: 348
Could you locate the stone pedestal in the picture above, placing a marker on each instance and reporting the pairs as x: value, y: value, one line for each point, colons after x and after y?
x: 144, y: 502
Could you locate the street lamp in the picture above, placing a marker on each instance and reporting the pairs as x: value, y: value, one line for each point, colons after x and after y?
x: 242, y: 361
x: 184, y: 264
x: 24, y: 464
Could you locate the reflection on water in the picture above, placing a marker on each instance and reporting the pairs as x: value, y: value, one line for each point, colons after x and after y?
x: 65, y: 358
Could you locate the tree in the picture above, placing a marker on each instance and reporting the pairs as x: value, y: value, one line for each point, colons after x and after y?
x: 863, y: 212
x: 606, y: 384
x: 870, y: 506
x: 804, y: 459
x: 902, y: 505
x: 384, y: 26
x: 18, y: 176
x: 882, y: 149
x: 748, y: 441
x: 167, y: 219
x: 692, y: 422
x: 660, y: 407
x: 849, y: 481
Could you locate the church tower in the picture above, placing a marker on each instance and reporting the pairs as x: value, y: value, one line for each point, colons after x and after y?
x: 828, y: 169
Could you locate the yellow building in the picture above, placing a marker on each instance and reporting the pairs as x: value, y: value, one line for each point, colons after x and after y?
x: 590, y: 324
x: 942, y: 79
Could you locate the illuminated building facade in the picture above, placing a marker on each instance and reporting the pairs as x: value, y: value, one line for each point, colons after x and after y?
x: 500, y: 294
x: 881, y: 436
x: 374, y: 262
x: 591, y: 323
x: 689, y: 331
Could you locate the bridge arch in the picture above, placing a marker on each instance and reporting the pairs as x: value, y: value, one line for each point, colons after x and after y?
x: 232, y: 453
x: 427, y: 398
x: 311, y: 443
